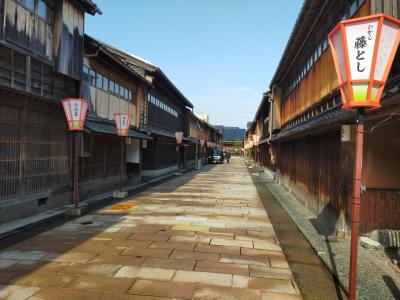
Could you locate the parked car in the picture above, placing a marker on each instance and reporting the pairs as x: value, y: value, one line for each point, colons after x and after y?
x: 216, y: 156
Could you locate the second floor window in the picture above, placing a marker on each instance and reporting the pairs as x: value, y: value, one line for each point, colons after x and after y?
x: 102, y: 82
x: 40, y: 8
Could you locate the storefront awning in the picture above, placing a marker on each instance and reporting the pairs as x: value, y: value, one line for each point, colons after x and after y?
x: 110, y: 129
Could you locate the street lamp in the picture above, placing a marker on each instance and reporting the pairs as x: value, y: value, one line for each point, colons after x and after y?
x: 363, y: 50
x: 122, y: 123
x: 75, y: 111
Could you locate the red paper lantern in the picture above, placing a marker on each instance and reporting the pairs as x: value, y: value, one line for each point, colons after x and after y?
x: 122, y: 122
x: 75, y: 111
x: 363, y: 50
x: 179, y: 137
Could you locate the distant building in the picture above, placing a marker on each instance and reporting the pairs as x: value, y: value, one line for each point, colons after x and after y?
x: 233, y: 138
x: 204, y: 118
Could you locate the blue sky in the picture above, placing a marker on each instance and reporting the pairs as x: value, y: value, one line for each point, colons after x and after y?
x: 221, y: 54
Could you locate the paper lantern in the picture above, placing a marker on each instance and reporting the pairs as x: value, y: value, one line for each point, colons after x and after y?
x: 122, y: 122
x: 179, y: 137
x: 75, y: 111
x: 363, y: 50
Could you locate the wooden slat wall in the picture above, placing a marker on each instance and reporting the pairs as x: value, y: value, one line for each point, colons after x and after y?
x: 104, y: 161
x: 318, y: 82
x: 69, y: 39
x: 33, y: 151
x: 10, y: 150
x: 380, y: 209
x: 27, y: 30
x: 312, y: 164
x: 106, y: 104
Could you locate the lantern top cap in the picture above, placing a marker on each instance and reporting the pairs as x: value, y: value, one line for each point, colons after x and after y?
x: 371, y: 17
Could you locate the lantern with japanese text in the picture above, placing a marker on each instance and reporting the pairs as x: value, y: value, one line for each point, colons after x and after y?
x: 363, y: 50
x: 122, y: 122
x: 75, y: 111
x: 202, y: 142
x: 179, y: 137
x: 208, y: 144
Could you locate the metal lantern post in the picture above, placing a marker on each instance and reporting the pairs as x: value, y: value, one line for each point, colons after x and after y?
x: 122, y: 123
x: 75, y: 111
x: 363, y: 50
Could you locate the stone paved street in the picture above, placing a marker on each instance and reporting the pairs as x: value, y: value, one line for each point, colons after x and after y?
x: 203, y: 235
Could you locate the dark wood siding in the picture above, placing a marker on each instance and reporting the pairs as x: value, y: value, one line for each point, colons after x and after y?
x: 104, y: 159
x: 380, y: 209
x: 26, y: 74
x: 69, y: 39
x: 160, y: 153
x: 25, y: 29
x: 33, y: 149
x: 313, y: 165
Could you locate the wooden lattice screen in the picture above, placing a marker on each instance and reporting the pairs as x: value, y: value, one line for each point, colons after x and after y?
x: 33, y: 151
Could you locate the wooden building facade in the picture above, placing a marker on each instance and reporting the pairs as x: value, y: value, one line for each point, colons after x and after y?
x: 112, y: 87
x: 200, y: 130
x: 310, y: 153
x: 258, y: 134
x: 41, y: 57
x: 167, y: 111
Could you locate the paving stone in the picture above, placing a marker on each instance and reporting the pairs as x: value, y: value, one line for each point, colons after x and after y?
x: 219, y: 235
x: 70, y: 257
x: 18, y: 255
x: 217, y: 249
x: 267, y: 246
x: 149, y: 237
x: 218, y: 293
x: 255, y: 238
x: 97, y: 283
x: 203, y: 278
x: 268, y: 295
x: 206, y: 266
x: 173, y: 245
x: 105, y: 270
x: 182, y: 254
x: 8, y: 276
x: 245, y: 260
x: 274, y: 285
x: 128, y: 243
x: 65, y: 294
x: 5, y: 263
x: 163, y: 289
x: 169, y: 263
x: 145, y: 273
x: 191, y: 228
x: 118, y: 296
x: 190, y: 239
x: 261, y: 253
x: 43, y: 280
x: 112, y: 259
x: 14, y: 292
x: 278, y: 262
x: 234, y: 243
x: 269, y: 272
x: 229, y: 230
x: 145, y: 252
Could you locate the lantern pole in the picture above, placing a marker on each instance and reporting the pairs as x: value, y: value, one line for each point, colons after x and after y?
x: 76, y: 171
x: 355, y: 215
x: 121, y: 169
